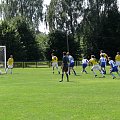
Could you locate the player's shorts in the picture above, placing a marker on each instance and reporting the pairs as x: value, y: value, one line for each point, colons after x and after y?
x: 114, y: 69
x: 54, y: 64
x: 96, y: 67
x: 72, y: 64
x: 10, y: 66
x: 65, y: 68
x: 103, y: 64
x: 118, y: 63
x: 84, y: 65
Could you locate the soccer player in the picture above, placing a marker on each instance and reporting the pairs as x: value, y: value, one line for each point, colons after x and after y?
x: 10, y: 64
x: 103, y: 61
x: 84, y: 64
x: 95, y: 66
x: 104, y: 54
x: 64, y: 66
x: 117, y: 60
x: 54, y: 63
x: 113, y: 68
x: 71, y: 63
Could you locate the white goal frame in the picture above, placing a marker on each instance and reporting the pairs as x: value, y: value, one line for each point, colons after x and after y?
x: 4, y: 48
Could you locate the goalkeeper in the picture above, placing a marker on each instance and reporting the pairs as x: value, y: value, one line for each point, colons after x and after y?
x: 10, y: 64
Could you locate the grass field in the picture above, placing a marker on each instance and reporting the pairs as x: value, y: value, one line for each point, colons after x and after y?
x: 37, y: 94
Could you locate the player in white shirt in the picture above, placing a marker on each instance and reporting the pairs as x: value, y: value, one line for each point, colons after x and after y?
x: 84, y: 64
x: 71, y: 63
x: 113, y: 68
x: 103, y: 61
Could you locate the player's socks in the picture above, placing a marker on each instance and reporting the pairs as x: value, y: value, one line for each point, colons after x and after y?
x: 6, y: 70
x: 102, y: 72
x: 62, y: 77
x: 69, y: 72
x: 113, y: 75
x: 67, y: 77
x: 53, y: 70
x: 11, y: 71
x: 94, y: 72
x: 74, y: 72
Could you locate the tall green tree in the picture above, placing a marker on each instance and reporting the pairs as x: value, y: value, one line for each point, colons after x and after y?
x: 32, y: 10
x: 99, y: 19
x: 58, y: 44
x: 64, y: 15
x: 86, y: 20
x: 42, y: 40
x: 19, y: 39
x: 10, y: 38
x: 28, y: 40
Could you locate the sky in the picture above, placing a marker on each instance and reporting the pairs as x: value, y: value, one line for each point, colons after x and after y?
x: 42, y: 27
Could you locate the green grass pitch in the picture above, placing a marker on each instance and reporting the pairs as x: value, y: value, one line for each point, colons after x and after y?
x: 37, y: 94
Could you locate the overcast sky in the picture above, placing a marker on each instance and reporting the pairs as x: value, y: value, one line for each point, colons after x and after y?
x: 47, y: 2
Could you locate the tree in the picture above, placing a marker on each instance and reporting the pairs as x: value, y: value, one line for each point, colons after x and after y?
x: 64, y: 15
x: 58, y: 44
x: 42, y: 40
x: 19, y: 39
x: 30, y: 9
x: 11, y: 40
x: 99, y: 26
x: 28, y: 40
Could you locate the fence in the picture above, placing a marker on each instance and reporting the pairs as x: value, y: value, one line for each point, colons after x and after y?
x: 39, y: 64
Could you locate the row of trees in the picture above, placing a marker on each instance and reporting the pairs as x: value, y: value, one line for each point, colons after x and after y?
x: 32, y: 10
x: 26, y: 44
x: 19, y: 40
x: 94, y: 23
x: 87, y: 25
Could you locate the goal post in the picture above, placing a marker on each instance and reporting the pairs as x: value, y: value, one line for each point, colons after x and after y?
x: 3, y: 57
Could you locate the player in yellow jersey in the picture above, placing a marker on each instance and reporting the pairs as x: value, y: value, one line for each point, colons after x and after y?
x: 10, y: 64
x: 95, y: 66
x: 117, y: 60
x: 55, y: 63
x: 103, y: 54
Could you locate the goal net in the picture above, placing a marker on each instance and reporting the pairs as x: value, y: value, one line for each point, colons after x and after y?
x: 2, y: 58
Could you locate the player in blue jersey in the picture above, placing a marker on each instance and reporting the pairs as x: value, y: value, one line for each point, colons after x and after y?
x: 84, y: 64
x: 114, y: 67
x: 71, y: 63
x: 103, y: 61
